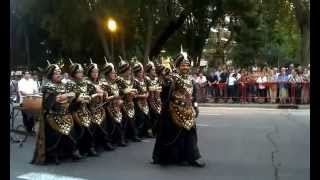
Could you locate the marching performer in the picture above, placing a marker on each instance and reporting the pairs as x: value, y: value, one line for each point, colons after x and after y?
x: 55, y: 136
x: 176, y: 140
x: 143, y: 121
x: 154, y: 89
x: 115, y: 125
x: 96, y: 106
x: 80, y: 110
x: 125, y: 83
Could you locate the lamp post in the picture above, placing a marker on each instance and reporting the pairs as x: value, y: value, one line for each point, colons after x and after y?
x: 112, y: 26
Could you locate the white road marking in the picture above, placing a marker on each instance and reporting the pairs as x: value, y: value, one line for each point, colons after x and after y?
x: 203, y: 125
x: 211, y: 114
x: 46, y: 176
x: 145, y: 140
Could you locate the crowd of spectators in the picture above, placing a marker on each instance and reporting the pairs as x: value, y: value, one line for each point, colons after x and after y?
x: 230, y: 84
x: 254, y: 84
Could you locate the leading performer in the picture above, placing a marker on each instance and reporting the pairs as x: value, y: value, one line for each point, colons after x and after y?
x: 176, y: 141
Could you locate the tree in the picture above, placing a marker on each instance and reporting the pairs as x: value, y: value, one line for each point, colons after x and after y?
x: 302, y: 14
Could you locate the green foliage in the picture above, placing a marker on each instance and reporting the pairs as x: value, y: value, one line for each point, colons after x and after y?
x: 70, y: 28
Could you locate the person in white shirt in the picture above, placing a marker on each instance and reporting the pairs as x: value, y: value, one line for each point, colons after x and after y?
x: 37, y: 82
x: 217, y: 73
x: 65, y: 78
x: 27, y: 87
x: 202, y: 83
x: 231, y: 86
x: 261, y: 80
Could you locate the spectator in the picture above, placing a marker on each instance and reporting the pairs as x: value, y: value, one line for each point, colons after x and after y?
x: 218, y: 72
x: 272, y: 84
x: 27, y: 87
x: 296, y: 86
x: 237, y: 86
x: 231, y: 86
x: 242, y: 85
x: 202, y: 84
x: 14, y: 87
x: 37, y: 82
x: 222, y: 83
x: 65, y: 78
x: 262, y: 92
x: 212, y: 84
x: 305, y: 86
x: 283, y: 86
x: 252, y: 88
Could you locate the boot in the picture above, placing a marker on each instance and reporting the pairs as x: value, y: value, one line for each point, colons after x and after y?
x: 150, y: 134
x: 92, y: 152
x: 109, y: 147
x: 122, y: 142
x: 197, y: 163
x: 56, y: 158
x: 76, y: 155
x: 136, y: 139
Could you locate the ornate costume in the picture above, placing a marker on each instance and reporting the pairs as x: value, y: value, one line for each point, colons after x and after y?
x: 176, y: 140
x: 125, y: 84
x: 80, y: 111
x: 115, y: 125
x: 96, y: 107
x: 143, y: 120
x: 154, y: 88
x: 56, y: 133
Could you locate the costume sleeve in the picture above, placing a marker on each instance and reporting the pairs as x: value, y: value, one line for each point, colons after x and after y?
x: 122, y: 86
x: 49, y: 97
x: 194, y: 93
x: 91, y: 88
x: 166, y: 93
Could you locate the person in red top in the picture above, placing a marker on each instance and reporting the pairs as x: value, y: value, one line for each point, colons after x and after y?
x: 243, y: 86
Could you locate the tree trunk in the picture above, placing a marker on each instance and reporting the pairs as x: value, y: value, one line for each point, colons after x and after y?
x: 26, y: 38
x: 302, y: 13
x: 148, y: 39
x: 305, y: 45
x: 172, y: 27
x: 102, y: 37
x: 123, y: 45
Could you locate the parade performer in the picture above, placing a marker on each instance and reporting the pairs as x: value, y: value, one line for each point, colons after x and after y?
x: 80, y: 111
x: 55, y: 136
x: 154, y: 89
x: 176, y: 141
x: 125, y: 83
x: 142, y: 118
x: 115, y: 125
x: 96, y: 107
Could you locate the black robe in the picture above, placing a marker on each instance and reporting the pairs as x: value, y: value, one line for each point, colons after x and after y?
x: 98, y: 116
x: 50, y: 141
x: 174, y: 144
x: 83, y: 134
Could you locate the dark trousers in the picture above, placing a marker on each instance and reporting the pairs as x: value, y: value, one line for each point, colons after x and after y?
x: 231, y: 92
x: 28, y: 120
x: 85, y: 138
x: 262, y: 94
x: 131, y: 130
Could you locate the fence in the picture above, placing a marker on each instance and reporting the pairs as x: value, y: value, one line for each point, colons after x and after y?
x: 270, y: 92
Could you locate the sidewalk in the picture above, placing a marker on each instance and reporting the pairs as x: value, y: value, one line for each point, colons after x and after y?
x: 255, y: 105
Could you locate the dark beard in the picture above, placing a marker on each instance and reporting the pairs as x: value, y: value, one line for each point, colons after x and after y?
x: 184, y: 71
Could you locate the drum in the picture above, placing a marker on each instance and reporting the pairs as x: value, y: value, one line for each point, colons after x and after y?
x: 32, y: 103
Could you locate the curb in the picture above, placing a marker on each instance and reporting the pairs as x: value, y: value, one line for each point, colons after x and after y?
x: 268, y: 106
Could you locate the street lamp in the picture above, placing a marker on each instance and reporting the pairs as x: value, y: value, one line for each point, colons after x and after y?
x: 112, y: 26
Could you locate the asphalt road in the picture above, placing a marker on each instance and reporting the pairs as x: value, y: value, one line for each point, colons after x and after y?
x: 236, y: 143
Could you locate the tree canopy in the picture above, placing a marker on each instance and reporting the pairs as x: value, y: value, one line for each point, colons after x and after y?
x: 260, y: 30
